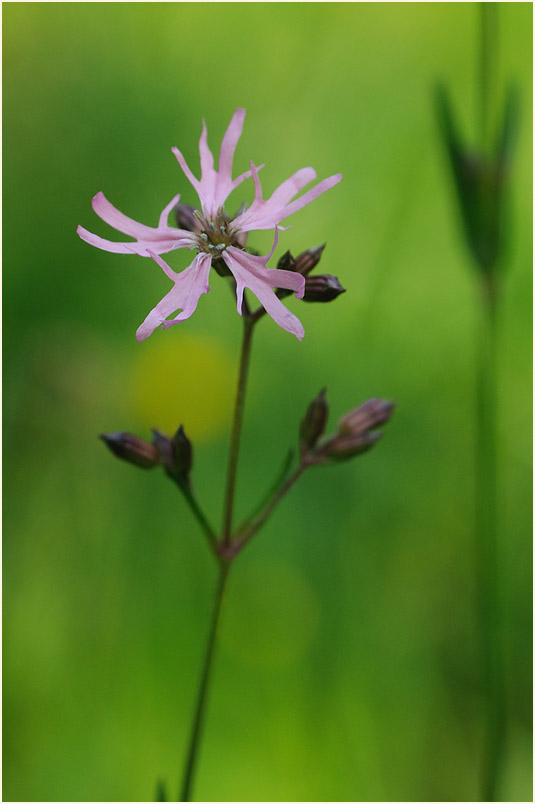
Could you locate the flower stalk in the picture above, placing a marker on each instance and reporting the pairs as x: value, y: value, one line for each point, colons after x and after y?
x: 192, y: 754
x: 248, y: 327
x: 220, y: 241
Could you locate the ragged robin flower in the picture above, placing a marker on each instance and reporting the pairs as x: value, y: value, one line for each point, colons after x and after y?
x: 217, y: 236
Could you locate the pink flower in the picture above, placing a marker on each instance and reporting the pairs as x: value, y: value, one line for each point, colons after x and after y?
x: 217, y: 236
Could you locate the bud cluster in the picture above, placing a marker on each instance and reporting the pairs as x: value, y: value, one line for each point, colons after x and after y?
x: 356, y: 432
x: 318, y: 288
x: 175, y: 454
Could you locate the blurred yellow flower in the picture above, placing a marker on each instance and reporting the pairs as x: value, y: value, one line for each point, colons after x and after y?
x: 187, y: 380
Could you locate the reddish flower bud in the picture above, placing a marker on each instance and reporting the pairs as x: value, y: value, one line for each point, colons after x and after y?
x: 165, y: 449
x: 314, y: 423
x: 356, y: 433
x: 286, y: 262
x: 308, y: 260
x: 303, y: 264
x: 183, y: 452
x: 176, y: 454
x: 343, y: 448
x: 370, y: 414
x: 322, y: 288
x: 130, y: 448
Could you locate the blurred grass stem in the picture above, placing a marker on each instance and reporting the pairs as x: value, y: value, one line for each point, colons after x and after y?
x: 202, y: 695
x: 486, y: 465
x: 487, y: 73
x: 487, y: 549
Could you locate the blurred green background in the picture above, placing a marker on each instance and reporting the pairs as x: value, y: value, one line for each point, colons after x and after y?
x: 347, y: 666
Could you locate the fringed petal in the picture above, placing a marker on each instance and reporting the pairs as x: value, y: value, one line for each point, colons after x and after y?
x: 185, y: 169
x: 251, y: 272
x: 163, y: 221
x: 224, y: 184
x: 160, y: 239
x: 215, y: 186
x: 189, y: 286
x: 267, y: 214
x: 140, y: 247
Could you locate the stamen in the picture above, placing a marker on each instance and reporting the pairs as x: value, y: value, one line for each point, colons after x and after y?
x: 204, y: 236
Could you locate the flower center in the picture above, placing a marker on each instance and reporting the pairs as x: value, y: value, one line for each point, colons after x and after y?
x: 214, y: 234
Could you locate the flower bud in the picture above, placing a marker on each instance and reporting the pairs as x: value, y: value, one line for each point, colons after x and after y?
x: 314, y: 423
x: 308, y: 260
x: 286, y: 262
x: 371, y: 414
x: 176, y: 454
x: 165, y: 450
x: 322, y: 288
x: 130, y: 448
x: 356, y: 433
x: 343, y: 448
x: 302, y: 264
x: 183, y: 452
x: 186, y: 218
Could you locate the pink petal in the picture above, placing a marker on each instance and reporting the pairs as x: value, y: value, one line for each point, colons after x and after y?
x: 140, y: 247
x: 207, y: 159
x: 289, y: 188
x: 187, y: 172
x: 189, y: 286
x: 168, y: 271
x: 161, y: 239
x: 163, y: 221
x: 251, y: 272
x: 208, y: 180
x: 243, y: 176
x: 266, y: 214
x: 215, y: 186
x: 224, y: 183
x: 126, y: 225
x: 309, y: 196
x: 118, y: 220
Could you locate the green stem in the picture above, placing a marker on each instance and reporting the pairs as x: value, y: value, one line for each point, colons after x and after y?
x: 259, y: 520
x: 199, y: 515
x: 487, y: 549
x: 248, y: 326
x: 197, y: 723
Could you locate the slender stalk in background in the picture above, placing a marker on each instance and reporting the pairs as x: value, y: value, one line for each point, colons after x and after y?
x: 487, y: 553
x: 487, y: 73
x: 481, y: 178
x: 486, y: 463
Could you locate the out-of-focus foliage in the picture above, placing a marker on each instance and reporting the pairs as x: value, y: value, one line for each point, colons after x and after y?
x: 347, y: 667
